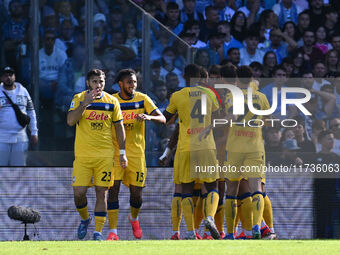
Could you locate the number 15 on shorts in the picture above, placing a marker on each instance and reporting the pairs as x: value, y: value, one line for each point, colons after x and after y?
x: 139, y: 177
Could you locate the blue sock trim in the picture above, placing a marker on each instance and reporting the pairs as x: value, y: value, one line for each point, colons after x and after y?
x: 100, y: 214
x: 177, y: 195
x: 264, y: 194
x: 213, y: 190
x: 82, y: 206
x: 135, y: 205
x: 220, y: 202
x: 245, y: 195
x: 230, y: 197
x: 113, y: 205
x: 186, y: 195
x: 196, y: 193
x: 257, y: 192
x: 205, y: 195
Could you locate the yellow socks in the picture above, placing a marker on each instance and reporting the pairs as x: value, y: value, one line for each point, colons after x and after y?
x: 112, y: 214
x: 83, y: 211
x: 258, y: 206
x: 176, y: 211
x: 134, y: 209
x: 246, y: 214
x: 99, y: 218
x: 211, y: 203
x: 188, y: 210
x: 219, y: 216
x: 198, y: 212
x: 230, y: 212
x: 268, y: 211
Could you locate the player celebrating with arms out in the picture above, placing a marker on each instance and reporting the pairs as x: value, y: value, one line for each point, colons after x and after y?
x: 136, y: 108
x: 95, y: 112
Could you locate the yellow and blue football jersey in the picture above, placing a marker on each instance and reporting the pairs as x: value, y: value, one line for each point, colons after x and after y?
x: 134, y: 130
x: 188, y: 104
x: 94, y: 129
x: 244, y: 138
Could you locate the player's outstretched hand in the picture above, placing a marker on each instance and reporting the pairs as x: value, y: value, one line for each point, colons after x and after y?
x: 142, y: 117
x: 123, y: 161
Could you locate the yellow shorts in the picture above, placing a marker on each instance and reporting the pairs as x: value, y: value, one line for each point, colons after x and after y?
x: 192, y: 166
x: 92, y: 171
x: 244, y: 165
x: 134, y: 174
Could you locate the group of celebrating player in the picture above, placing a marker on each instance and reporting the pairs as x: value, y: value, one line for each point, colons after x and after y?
x: 107, y: 124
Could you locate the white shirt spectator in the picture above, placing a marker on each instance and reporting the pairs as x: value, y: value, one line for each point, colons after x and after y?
x: 10, y: 130
x: 246, y: 59
x: 317, y: 85
x: 199, y: 44
x: 49, y: 65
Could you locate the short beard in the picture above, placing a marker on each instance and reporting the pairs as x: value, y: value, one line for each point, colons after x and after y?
x: 6, y: 85
x: 128, y: 93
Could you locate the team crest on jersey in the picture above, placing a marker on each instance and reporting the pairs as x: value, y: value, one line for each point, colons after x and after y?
x: 107, y: 107
x: 136, y: 105
x: 72, y: 104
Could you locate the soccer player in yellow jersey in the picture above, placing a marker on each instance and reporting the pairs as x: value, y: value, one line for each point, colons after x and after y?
x: 192, y: 152
x: 136, y: 109
x: 95, y: 114
x: 245, y: 148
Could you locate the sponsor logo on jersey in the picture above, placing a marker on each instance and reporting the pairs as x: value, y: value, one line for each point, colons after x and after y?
x: 129, y: 116
x: 97, y: 116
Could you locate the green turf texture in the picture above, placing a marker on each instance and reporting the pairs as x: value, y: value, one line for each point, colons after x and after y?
x: 204, y: 247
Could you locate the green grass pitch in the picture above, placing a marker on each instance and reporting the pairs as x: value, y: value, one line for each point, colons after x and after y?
x: 204, y: 247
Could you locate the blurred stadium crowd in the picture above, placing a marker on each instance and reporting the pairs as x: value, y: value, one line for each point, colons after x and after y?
x: 279, y: 40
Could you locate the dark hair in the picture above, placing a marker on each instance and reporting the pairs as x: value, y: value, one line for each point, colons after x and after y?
x: 306, y: 71
x: 229, y: 72
x: 324, y: 133
x: 308, y: 30
x: 172, y: 6
x: 303, y: 13
x: 215, y: 69
x: 94, y: 72
x: 319, y: 124
x: 192, y: 71
x: 256, y: 65
x: 264, y: 16
x: 231, y: 49
x: 210, y: 8
x: 244, y: 74
x: 253, y: 33
x: 125, y: 73
x: 190, y: 23
x: 278, y: 67
x: 224, y: 23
